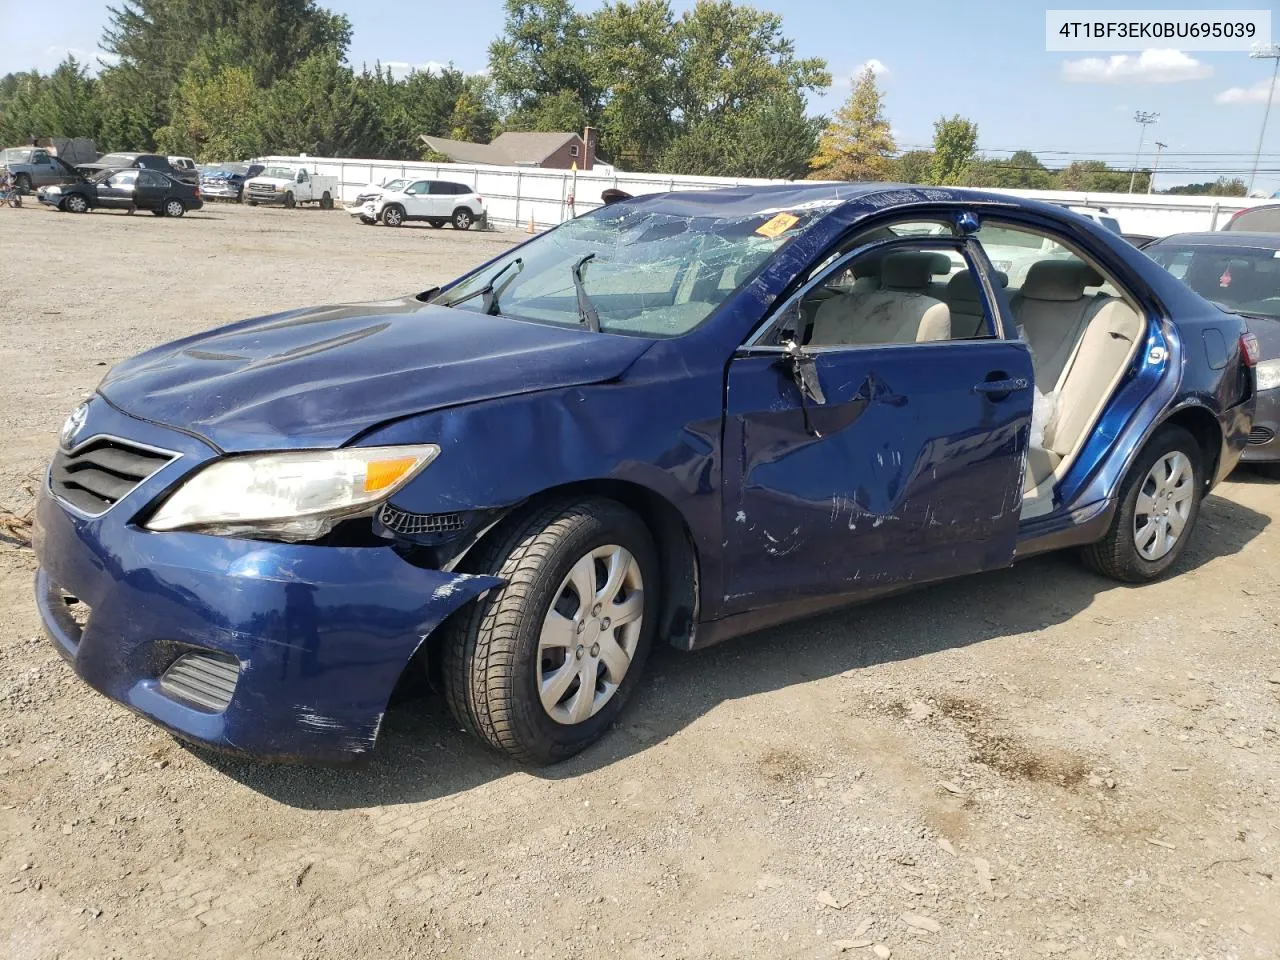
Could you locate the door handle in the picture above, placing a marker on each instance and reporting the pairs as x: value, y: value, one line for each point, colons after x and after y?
x: 1001, y: 388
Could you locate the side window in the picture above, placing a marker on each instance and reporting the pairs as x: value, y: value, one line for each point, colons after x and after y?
x: 302, y: 176
x: 439, y: 187
x: 125, y: 178
x: 149, y: 178
x: 906, y: 293
x: 417, y: 189
x: 39, y: 156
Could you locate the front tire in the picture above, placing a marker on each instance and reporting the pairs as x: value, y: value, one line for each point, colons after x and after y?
x: 541, y: 668
x: 75, y: 203
x: 1159, y: 502
x: 23, y: 183
x: 289, y: 201
x: 393, y: 216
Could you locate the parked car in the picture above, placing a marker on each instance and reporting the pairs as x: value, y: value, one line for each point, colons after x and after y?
x: 127, y: 189
x: 1264, y: 218
x: 1139, y: 240
x: 184, y: 168
x: 436, y: 201
x: 289, y: 186
x: 226, y: 181
x: 1241, y: 273
x: 139, y: 161
x: 32, y: 167
x: 670, y: 418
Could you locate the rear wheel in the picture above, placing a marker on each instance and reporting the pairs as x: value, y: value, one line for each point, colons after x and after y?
x: 326, y: 202
x: 173, y: 207
x: 393, y: 215
x: 75, y: 203
x: 462, y: 219
x: 1158, y: 505
x: 540, y: 669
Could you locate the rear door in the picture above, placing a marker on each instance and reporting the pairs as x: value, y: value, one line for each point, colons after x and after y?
x: 152, y: 190
x: 904, y: 461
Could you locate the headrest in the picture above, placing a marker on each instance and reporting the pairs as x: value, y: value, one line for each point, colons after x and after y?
x: 912, y: 271
x: 1059, y: 280
x: 962, y: 287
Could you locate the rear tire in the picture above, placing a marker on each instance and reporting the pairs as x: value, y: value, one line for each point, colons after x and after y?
x: 173, y: 207
x: 1156, y: 514
x: 393, y: 216
x: 506, y: 679
x: 326, y: 202
x: 463, y: 219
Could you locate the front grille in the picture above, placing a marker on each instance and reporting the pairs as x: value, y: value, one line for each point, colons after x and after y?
x: 262, y: 189
x: 1261, y: 435
x: 205, y: 679
x: 401, y: 521
x: 101, y: 471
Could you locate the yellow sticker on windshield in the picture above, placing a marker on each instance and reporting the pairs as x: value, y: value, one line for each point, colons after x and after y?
x: 779, y: 224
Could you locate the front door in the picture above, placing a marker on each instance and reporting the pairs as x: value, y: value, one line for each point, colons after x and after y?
x: 417, y: 202
x: 116, y: 191
x: 903, y: 462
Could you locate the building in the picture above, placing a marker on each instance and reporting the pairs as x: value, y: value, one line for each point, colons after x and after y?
x: 556, y: 151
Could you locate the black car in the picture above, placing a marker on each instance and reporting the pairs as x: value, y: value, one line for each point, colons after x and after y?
x: 139, y: 161
x: 127, y: 189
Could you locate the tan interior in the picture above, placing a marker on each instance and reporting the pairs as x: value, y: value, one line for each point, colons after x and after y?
x: 900, y: 310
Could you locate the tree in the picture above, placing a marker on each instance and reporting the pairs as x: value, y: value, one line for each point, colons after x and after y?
x: 914, y: 166
x: 472, y: 117
x: 954, y: 142
x: 540, y: 67
x: 215, y: 117
x: 773, y: 140
x: 1095, y: 176
x: 322, y: 108
x: 1222, y: 187
x: 857, y: 144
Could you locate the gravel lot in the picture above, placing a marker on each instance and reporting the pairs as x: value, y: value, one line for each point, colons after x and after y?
x: 1031, y: 763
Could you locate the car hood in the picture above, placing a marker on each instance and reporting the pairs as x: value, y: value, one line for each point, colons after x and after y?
x: 274, y: 181
x: 319, y: 377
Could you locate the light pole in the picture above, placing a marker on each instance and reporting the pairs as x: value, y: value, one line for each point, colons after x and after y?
x: 1142, y: 119
x: 1155, y: 166
x: 1271, y: 52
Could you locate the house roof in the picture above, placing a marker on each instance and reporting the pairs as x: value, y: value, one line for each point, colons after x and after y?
x: 509, y: 149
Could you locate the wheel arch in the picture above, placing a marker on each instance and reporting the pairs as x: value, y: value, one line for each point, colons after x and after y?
x: 1200, y: 422
x: 677, y: 550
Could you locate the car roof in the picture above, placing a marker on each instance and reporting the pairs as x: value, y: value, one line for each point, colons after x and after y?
x: 1225, y: 238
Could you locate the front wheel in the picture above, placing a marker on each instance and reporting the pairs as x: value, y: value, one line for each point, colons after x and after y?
x: 75, y: 203
x: 393, y: 216
x: 289, y: 201
x: 23, y: 183
x: 540, y: 669
x: 1158, y: 505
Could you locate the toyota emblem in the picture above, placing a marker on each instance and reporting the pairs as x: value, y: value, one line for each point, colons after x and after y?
x: 73, y: 425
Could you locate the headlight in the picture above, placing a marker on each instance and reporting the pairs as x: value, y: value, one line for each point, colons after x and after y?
x: 289, y: 496
x: 1268, y: 374
x: 281, y: 187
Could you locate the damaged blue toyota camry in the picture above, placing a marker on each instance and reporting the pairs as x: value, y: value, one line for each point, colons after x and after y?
x: 678, y: 418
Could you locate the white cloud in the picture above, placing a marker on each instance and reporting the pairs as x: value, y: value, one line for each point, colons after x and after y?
x: 1150, y: 66
x: 1254, y: 94
x: 877, y: 67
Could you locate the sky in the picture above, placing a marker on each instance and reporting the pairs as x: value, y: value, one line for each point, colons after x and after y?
x: 982, y: 59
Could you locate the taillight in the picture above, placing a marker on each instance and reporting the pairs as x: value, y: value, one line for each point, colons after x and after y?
x: 1250, y: 352
x: 479, y: 199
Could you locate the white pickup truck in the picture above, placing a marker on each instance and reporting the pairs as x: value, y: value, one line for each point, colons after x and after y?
x: 290, y: 185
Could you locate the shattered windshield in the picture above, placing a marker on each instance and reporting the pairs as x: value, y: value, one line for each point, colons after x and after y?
x: 653, y: 274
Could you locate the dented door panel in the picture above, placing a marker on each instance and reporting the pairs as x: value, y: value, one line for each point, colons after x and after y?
x: 905, y: 474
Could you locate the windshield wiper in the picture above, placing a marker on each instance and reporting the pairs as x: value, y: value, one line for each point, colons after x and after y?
x: 490, y: 298
x: 586, y: 309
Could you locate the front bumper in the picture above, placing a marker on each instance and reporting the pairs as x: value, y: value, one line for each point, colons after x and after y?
x: 317, y: 636
x: 219, y: 190
x: 365, y: 211
x: 1264, y: 440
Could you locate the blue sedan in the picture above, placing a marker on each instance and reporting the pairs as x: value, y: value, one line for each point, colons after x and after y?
x: 678, y: 418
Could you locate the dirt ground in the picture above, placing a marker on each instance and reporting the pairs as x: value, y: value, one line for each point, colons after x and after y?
x: 1036, y: 762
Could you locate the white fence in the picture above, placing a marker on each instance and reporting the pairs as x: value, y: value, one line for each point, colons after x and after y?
x: 515, y: 195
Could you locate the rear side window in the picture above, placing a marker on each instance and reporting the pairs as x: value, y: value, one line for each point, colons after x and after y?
x: 1238, y: 278
x: 1265, y: 219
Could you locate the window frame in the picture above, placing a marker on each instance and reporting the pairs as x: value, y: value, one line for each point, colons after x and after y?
x: 964, y: 245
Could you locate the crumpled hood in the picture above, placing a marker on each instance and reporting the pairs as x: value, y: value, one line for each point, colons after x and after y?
x: 318, y: 377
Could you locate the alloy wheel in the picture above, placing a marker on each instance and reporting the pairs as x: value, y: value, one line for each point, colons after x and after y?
x: 590, y: 634
x: 1164, y: 505
x: 77, y: 203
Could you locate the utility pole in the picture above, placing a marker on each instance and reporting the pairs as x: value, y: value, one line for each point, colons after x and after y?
x: 1143, y: 120
x: 1270, y: 52
x: 1155, y: 166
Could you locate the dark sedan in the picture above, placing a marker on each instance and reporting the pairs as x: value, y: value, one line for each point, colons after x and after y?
x: 130, y: 189
x: 1241, y: 273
